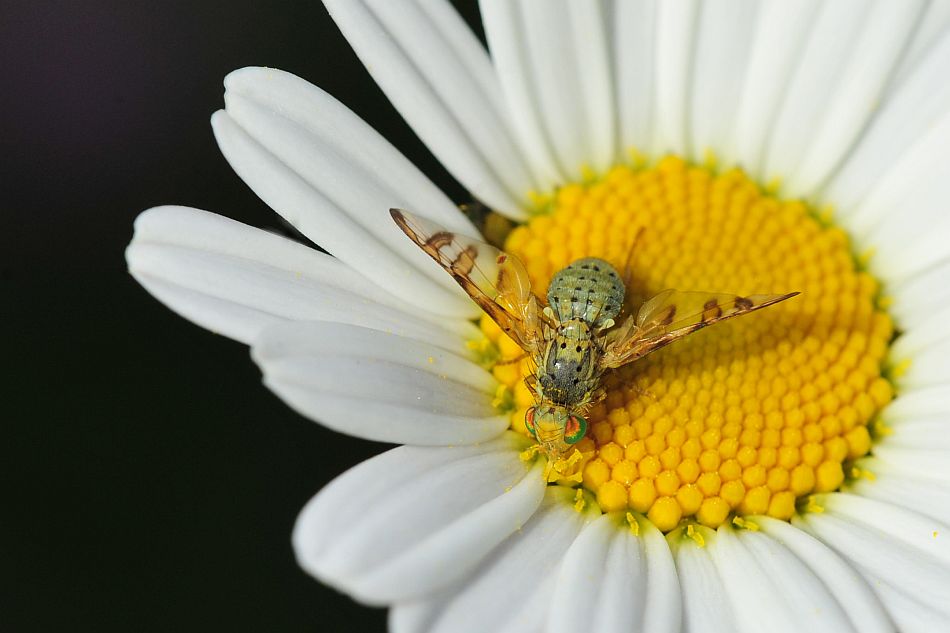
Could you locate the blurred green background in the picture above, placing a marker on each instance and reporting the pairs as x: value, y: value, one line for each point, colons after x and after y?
x: 150, y: 481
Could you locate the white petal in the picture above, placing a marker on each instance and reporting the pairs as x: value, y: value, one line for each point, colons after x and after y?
x: 236, y: 280
x: 768, y: 585
x: 724, y: 35
x: 816, y: 81
x: 932, y: 26
x: 330, y: 175
x: 604, y: 580
x: 920, y: 432
x: 353, y: 139
x: 331, y: 186
x: 929, y: 367
x: 705, y: 600
x: 915, y: 403
x: 843, y: 582
x: 806, y: 595
x: 910, y: 615
x: 906, y: 115
x: 410, y: 617
x: 566, y: 46
x: 675, y: 28
x: 887, y: 544
x: 634, y: 26
x: 415, y: 519
x: 913, y: 298
x: 776, y: 49
x: 917, y: 462
x: 929, y: 497
x: 930, y: 330
x: 912, y: 194
x: 663, y: 599
x: 509, y: 53
x: 590, y: 567
x: 886, y: 30
x: 592, y: 53
x: 439, y: 78
x: 379, y: 386
x: 511, y: 590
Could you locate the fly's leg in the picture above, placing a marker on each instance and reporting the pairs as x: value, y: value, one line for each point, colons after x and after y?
x: 644, y: 392
x: 598, y: 395
x: 628, y: 265
x: 531, y: 382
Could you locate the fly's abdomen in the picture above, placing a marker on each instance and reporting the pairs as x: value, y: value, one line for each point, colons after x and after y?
x: 589, y: 289
x: 568, y: 372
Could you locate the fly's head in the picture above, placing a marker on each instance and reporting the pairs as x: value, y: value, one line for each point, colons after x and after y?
x: 555, y: 428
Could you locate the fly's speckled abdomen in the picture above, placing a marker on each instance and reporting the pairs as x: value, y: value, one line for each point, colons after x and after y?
x: 568, y: 372
x: 584, y: 296
x: 589, y: 289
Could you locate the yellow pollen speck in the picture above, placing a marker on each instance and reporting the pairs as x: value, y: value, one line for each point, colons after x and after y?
x: 579, y: 502
x: 811, y: 505
x: 860, y: 473
x: 635, y: 525
x: 900, y: 368
x: 566, y: 470
x: 694, y: 534
x: 529, y: 453
x: 744, y: 524
x: 743, y: 418
x: 881, y: 429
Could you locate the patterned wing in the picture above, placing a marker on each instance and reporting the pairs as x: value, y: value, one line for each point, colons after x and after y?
x: 671, y: 315
x: 495, y: 280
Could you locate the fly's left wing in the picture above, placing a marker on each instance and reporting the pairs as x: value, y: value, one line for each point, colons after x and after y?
x: 671, y: 315
x: 495, y: 280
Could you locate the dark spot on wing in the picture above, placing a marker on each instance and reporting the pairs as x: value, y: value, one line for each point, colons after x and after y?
x: 711, y: 310
x: 440, y: 239
x: 669, y: 316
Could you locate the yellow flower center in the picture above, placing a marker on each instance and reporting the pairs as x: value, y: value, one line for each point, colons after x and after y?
x: 742, y: 418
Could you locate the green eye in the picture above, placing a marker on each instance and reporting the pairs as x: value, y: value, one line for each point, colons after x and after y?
x: 575, y: 429
x: 529, y: 421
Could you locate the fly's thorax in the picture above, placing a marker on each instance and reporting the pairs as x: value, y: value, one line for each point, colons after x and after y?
x: 574, y: 331
x: 568, y: 372
x: 588, y: 289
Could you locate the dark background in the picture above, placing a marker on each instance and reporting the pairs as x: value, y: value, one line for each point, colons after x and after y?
x: 150, y: 482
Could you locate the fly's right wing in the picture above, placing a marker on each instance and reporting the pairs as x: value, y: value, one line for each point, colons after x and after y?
x: 673, y: 314
x: 495, y: 280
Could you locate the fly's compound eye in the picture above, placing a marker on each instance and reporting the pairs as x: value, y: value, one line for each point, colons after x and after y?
x: 529, y: 422
x: 575, y: 429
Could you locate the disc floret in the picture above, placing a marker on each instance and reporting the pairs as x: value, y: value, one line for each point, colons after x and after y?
x: 744, y: 418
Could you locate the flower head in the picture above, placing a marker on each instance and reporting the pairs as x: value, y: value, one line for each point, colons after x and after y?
x: 786, y: 469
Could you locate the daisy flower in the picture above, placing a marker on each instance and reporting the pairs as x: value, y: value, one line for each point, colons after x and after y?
x: 789, y: 470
